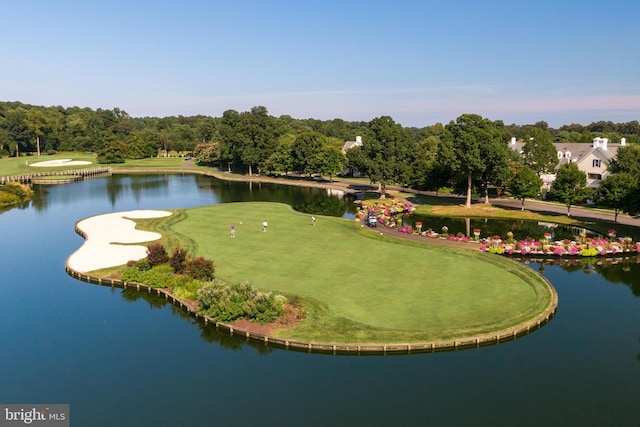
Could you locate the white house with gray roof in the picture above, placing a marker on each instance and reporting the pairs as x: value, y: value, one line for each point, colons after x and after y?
x: 592, y: 159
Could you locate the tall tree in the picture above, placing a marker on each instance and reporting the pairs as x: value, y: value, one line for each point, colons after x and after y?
x: 627, y: 160
x: 259, y: 138
x: 332, y: 161
x: 614, y: 191
x: 539, y: 152
x: 35, y: 121
x: 386, y: 151
x: 306, y: 150
x: 570, y: 186
x: 467, y: 134
x: 495, y: 153
x: 525, y: 184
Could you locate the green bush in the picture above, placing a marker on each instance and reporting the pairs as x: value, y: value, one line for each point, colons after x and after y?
x: 226, y: 303
x: 160, y: 276
x: 186, y: 288
x: 8, y: 199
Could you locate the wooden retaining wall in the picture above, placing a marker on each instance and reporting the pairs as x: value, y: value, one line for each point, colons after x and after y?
x: 41, y: 176
x: 336, y: 348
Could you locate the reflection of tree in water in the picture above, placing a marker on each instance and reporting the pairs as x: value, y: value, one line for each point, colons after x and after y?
x: 208, y: 333
x: 154, y: 301
x: 621, y: 270
x: 303, y: 199
x: 521, y: 229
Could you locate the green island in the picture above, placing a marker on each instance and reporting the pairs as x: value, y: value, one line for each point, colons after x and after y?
x: 357, y: 285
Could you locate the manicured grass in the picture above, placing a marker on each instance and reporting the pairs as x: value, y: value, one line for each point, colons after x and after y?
x: 358, y: 286
x: 18, y: 166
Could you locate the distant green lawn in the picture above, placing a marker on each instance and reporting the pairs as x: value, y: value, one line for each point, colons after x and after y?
x: 358, y: 286
x: 24, y: 165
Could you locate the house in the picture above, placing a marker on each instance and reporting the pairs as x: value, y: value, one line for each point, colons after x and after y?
x: 351, y: 144
x: 348, y: 145
x: 592, y: 159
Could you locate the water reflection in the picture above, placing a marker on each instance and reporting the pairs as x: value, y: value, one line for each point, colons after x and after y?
x: 208, y: 332
x: 621, y: 270
x: 521, y: 229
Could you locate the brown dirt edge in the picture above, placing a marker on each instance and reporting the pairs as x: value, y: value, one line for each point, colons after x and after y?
x: 291, y: 317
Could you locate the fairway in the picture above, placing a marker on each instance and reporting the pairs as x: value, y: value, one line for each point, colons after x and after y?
x: 357, y: 285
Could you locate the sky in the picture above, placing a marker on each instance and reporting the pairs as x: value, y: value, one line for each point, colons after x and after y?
x: 420, y: 62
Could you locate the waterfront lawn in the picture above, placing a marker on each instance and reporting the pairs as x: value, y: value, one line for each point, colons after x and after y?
x: 18, y: 166
x: 358, y: 285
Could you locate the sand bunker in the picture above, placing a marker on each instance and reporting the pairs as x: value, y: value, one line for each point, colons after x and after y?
x: 60, y: 162
x: 106, y: 236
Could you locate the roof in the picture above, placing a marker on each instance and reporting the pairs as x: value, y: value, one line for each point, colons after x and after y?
x: 579, y: 151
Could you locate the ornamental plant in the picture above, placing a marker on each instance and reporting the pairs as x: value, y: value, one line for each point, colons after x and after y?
x: 157, y: 254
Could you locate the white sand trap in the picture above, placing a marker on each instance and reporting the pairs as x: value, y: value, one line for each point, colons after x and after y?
x: 60, y: 162
x: 105, y: 237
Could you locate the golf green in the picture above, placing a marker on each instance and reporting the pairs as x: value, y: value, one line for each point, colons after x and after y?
x: 359, y: 285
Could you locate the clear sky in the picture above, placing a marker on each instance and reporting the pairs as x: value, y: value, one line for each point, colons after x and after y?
x: 420, y: 62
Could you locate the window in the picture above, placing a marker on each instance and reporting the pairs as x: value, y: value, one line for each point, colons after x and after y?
x: 559, y: 154
x: 594, y: 176
x: 596, y: 163
x: 567, y: 154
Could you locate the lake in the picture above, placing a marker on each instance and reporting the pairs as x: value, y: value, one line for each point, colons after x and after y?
x: 120, y: 360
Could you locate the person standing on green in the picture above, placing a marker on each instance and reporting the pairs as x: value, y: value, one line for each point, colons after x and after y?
x: 264, y: 226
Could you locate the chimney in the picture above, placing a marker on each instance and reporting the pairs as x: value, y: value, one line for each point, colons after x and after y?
x: 605, y: 141
x: 358, y: 140
x: 513, y: 140
x: 623, y: 142
x: 596, y: 142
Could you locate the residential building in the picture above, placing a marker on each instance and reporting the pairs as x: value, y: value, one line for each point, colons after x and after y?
x: 593, y: 159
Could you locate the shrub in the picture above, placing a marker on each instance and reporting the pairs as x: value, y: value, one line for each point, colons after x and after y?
x: 142, y: 264
x: 179, y: 260
x: 228, y: 303
x: 157, y: 277
x: 200, y: 268
x: 186, y: 288
x: 157, y: 254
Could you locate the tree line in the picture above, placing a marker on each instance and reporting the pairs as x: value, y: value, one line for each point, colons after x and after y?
x: 469, y: 154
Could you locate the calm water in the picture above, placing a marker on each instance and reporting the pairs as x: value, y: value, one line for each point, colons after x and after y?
x: 123, y: 361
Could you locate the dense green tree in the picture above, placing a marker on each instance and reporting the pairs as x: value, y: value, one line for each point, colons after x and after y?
x: 495, y: 153
x: 138, y: 148
x: 386, y: 151
x: 614, y: 191
x: 331, y: 162
x: 467, y: 135
x: 627, y: 160
x: 306, y: 151
x: 259, y: 138
x: 525, y: 184
x: 112, y: 152
x: 424, y: 162
x: 282, y: 159
x: 539, y: 152
x: 632, y: 202
x: 570, y: 186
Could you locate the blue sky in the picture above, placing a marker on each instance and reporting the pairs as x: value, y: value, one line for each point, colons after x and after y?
x: 420, y: 62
